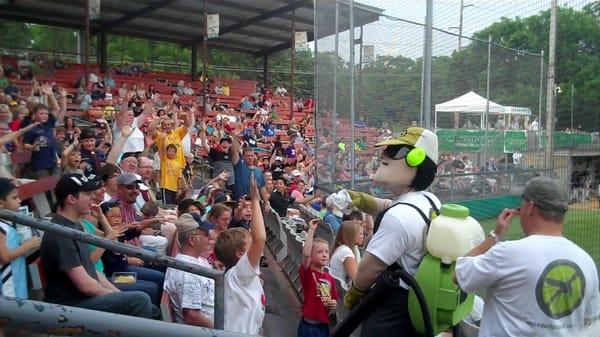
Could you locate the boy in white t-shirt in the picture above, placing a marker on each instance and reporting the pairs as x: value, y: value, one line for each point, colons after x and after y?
x: 240, y: 252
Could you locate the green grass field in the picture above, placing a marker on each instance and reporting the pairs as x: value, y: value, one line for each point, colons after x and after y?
x: 582, y: 226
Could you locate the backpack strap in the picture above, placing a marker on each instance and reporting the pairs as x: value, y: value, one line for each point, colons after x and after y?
x: 395, y: 266
x: 380, y: 216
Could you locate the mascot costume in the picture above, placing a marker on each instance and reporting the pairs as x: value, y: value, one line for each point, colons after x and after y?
x: 385, y: 292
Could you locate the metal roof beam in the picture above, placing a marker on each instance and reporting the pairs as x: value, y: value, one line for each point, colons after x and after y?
x: 265, y: 16
x: 229, y: 4
x: 132, y: 15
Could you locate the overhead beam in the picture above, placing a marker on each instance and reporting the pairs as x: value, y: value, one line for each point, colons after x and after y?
x: 281, y: 46
x: 132, y: 15
x: 229, y: 4
x: 261, y: 17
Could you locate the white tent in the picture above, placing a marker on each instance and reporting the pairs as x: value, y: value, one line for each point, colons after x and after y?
x: 472, y: 103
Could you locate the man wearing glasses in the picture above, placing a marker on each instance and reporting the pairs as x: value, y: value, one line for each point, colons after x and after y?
x: 541, y: 285
x: 127, y: 192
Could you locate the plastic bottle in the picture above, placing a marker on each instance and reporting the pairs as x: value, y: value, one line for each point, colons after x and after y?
x: 453, y: 233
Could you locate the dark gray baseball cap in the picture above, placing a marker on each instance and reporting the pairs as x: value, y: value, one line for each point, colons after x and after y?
x: 546, y: 194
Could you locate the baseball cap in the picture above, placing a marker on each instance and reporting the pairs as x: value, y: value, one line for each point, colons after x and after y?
x: 223, y: 198
x: 546, y: 194
x: 334, y: 202
x: 416, y: 137
x: 70, y: 184
x: 108, y: 96
x: 128, y: 178
x: 278, y: 158
x: 296, y: 173
x: 187, y: 222
x: 225, y: 139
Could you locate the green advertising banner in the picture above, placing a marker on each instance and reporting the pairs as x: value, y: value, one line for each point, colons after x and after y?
x: 515, y: 141
x: 461, y: 140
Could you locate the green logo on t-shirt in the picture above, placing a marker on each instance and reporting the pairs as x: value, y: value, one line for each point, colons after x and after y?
x: 560, y: 288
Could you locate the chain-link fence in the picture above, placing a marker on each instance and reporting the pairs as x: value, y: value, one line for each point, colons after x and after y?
x: 488, y: 99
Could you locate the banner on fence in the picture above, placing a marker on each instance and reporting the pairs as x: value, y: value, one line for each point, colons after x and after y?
x: 503, y: 141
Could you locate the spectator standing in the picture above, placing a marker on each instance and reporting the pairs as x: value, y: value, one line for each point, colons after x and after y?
x: 192, y: 296
x: 333, y: 216
x: 538, y: 283
x: 40, y: 140
x: 222, y: 156
x: 318, y: 286
x: 280, y: 201
x: 171, y: 176
x: 240, y: 252
x: 74, y: 280
x: 244, y: 169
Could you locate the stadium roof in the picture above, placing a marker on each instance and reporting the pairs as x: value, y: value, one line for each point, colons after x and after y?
x: 258, y: 27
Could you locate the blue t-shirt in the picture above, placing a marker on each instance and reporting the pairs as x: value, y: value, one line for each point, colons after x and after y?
x: 246, y: 105
x: 45, y: 158
x: 242, y: 178
x: 334, y: 222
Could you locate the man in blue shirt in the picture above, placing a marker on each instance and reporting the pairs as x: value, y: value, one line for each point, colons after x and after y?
x: 243, y: 169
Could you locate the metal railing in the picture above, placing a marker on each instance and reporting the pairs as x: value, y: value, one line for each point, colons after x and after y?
x: 147, y: 256
x: 60, y: 320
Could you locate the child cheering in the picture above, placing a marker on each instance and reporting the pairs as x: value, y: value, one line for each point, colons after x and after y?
x: 318, y: 286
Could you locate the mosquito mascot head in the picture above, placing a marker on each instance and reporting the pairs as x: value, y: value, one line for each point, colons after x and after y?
x: 408, y: 161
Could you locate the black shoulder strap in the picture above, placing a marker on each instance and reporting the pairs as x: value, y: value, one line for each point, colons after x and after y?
x: 380, y: 216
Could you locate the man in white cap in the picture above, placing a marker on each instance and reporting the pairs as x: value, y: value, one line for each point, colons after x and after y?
x: 408, y: 167
x: 541, y: 285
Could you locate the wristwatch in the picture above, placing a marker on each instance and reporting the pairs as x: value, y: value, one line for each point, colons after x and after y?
x: 494, y: 236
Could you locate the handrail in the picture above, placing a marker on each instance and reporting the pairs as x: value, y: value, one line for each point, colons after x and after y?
x: 146, y: 255
x: 55, y: 319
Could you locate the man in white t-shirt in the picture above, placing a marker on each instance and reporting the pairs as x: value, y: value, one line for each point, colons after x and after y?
x: 408, y: 167
x: 192, y: 296
x: 541, y: 285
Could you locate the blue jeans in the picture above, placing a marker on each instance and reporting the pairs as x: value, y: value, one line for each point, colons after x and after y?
x: 306, y: 329
x: 149, y: 281
x: 132, y: 303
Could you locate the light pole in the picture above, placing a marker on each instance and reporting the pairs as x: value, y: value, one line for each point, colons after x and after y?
x: 460, y: 22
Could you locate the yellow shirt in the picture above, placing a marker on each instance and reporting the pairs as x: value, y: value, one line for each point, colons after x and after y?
x: 226, y: 90
x: 170, y: 174
x: 174, y: 137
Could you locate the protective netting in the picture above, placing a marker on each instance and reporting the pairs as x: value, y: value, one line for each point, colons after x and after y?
x: 488, y: 99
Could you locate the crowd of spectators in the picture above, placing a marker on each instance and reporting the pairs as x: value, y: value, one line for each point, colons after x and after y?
x: 126, y: 173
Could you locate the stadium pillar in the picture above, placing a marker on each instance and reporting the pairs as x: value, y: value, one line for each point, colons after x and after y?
x: 204, y: 57
x: 352, y: 95
x: 293, y: 62
x: 194, y: 69
x: 102, y: 47
x: 551, y: 91
x: 266, y: 71
x: 87, y: 41
x: 427, y: 65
